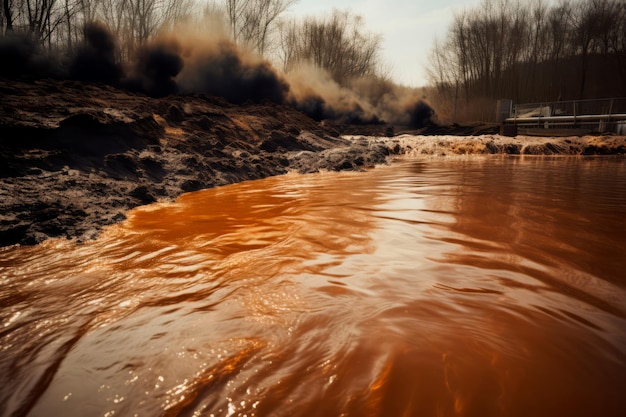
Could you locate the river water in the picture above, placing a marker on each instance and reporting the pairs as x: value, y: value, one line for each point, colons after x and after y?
x: 442, y: 286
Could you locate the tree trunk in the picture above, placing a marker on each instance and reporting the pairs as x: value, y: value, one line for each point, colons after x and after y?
x: 8, y: 15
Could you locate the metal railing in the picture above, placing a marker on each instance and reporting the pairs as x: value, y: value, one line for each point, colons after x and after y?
x: 601, y: 115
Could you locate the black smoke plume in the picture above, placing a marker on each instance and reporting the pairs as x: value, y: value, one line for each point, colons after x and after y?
x: 95, y: 60
x: 192, y: 64
x: 20, y: 57
x: 319, y: 109
x: 420, y: 115
x: 222, y: 70
x: 313, y: 106
x: 156, y: 66
x: 368, y: 100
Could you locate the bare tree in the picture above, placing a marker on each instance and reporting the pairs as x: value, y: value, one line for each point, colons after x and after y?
x: 526, y: 50
x: 584, y: 26
x: 58, y: 23
x: 70, y: 10
x: 39, y: 14
x: 251, y: 21
x: 136, y: 21
x: 287, y: 43
x: 339, y: 44
x: 444, y: 74
x: 7, y: 11
x: 620, y: 43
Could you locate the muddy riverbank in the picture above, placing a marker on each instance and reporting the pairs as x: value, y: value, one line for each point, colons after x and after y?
x: 75, y: 157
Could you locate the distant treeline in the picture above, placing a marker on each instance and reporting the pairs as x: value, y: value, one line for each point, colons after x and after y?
x: 529, y: 51
x: 338, y: 42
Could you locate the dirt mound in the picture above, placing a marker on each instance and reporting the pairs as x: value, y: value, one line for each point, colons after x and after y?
x: 77, y: 156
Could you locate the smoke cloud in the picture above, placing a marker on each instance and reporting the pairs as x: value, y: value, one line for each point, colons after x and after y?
x: 155, y: 69
x: 314, y: 92
x: 221, y: 69
x: 21, y: 57
x: 365, y: 101
x: 188, y: 63
x: 95, y: 59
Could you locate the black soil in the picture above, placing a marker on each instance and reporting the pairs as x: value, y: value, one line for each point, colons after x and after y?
x: 75, y: 157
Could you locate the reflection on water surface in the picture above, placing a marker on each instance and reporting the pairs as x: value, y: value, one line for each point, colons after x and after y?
x: 480, y: 286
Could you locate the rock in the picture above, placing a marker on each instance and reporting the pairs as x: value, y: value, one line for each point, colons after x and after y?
x: 12, y: 233
x: 175, y: 114
x: 143, y: 194
x: 191, y: 185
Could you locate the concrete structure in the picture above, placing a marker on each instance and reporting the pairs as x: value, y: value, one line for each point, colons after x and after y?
x: 565, y: 117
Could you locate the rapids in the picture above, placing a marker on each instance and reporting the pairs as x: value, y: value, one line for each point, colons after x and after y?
x: 439, y: 286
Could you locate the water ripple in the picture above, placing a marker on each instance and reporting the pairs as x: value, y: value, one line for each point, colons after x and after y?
x: 479, y: 286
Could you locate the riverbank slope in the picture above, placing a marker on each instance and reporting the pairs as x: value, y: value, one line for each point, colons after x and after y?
x: 75, y: 157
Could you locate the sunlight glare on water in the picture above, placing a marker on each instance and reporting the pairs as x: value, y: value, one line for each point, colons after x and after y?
x: 469, y: 286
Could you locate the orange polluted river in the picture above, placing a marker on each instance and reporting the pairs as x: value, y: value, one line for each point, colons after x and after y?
x: 456, y: 286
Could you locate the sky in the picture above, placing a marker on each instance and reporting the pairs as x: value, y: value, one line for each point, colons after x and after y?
x: 408, y: 29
